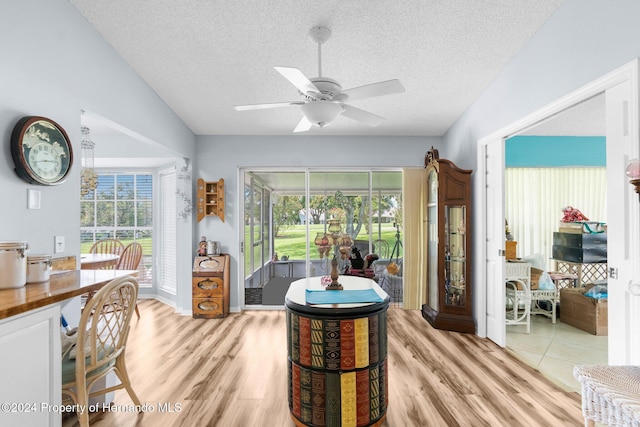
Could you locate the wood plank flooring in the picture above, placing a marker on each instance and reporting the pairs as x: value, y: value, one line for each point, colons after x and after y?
x: 232, y: 372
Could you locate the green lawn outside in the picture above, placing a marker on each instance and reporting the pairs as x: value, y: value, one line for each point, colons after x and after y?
x: 292, y: 241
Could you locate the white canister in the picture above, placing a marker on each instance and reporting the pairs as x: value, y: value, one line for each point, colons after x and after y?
x: 213, y: 248
x: 38, y: 268
x: 13, y: 264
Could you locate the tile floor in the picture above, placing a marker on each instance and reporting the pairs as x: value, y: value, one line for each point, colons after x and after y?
x: 554, y: 349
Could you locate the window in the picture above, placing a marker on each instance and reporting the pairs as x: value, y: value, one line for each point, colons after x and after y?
x: 120, y: 207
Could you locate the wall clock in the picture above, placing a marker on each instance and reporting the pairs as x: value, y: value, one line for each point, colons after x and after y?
x: 41, y: 151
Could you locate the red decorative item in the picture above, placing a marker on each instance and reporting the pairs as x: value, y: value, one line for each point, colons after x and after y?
x: 572, y: 214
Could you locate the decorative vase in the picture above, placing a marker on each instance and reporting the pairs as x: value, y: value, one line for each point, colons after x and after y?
x: 334, y: 285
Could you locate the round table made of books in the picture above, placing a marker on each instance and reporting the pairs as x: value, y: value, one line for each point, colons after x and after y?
x: 337, y: 352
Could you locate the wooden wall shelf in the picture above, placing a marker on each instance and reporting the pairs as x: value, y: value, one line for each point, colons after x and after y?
x: 210, y: 199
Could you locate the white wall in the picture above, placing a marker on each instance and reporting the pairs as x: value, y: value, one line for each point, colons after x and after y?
x: 222, y: 156
x: 54, y: 64
x: 582, y: 41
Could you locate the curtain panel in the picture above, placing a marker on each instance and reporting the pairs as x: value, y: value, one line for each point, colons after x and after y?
x: 415, y: 237
x: 534, y: 198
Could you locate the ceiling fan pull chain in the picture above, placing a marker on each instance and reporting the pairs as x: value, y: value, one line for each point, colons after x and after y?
x: 319, y: 59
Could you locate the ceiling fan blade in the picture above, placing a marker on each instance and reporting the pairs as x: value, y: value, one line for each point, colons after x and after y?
x: 374, y: 89
x: 298, y: 79
x: 361, y: 115
x: 303, y: 125
x: 265, y: 106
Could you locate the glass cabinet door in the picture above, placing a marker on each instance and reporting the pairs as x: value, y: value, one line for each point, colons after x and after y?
x: 455, y: 255
x: 432, y: 241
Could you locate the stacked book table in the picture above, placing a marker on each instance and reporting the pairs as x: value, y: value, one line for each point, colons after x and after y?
x: 337, y: 352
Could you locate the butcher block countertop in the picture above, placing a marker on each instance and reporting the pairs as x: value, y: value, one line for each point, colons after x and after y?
x: 61, y: 286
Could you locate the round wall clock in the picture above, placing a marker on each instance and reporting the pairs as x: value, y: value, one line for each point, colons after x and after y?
x: 41, y: 151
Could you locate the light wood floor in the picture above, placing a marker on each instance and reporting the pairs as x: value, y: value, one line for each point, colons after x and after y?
x: 232, y: 372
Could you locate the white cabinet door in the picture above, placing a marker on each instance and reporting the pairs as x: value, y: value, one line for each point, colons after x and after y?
x: 623, y: 231
x: 30, y: 369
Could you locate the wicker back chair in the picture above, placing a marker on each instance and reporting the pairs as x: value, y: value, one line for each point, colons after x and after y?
x: 130, y: 260
x: 100, y: 345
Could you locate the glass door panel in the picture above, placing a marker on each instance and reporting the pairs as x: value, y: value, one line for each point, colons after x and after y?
x: 432, y: 242
x: 248, y: 258
x: 455, y: 258
x: 386, y: 218
x: 288, y: 224
x: 275, y: 234
x: 341, y: 202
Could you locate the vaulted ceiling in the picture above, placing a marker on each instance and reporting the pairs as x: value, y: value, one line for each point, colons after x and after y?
x: 203, y: 57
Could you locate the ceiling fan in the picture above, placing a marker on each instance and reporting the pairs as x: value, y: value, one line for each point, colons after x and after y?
x: 323, y: 98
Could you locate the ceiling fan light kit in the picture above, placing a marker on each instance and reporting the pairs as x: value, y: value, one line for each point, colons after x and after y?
x: 321, y: 113
x: 323, y: 98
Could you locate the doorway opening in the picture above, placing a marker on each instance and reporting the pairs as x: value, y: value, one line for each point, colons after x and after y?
x: 558, y: 163
x: 143, y: 194
x: 620, y: 90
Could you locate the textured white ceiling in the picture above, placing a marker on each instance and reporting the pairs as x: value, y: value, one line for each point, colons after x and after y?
x: 587, y: 118
x: 203, y: 57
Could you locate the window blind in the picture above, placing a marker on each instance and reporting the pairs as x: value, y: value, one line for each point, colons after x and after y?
x: 168, y: 220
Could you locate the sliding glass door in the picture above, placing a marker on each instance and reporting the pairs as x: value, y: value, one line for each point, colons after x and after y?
x: 295, y: 222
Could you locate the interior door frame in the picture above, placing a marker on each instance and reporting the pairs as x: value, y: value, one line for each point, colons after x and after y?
x: 626, y: 74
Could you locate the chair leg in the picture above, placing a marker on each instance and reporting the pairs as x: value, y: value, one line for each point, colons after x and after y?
x: 137, y: 311
x: 121, y: 370
x: 82, y: 400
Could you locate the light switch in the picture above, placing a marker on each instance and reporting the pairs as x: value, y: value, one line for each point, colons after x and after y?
x: 33, y: 199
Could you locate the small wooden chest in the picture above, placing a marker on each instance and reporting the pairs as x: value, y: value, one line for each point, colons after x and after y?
x: 210, y: 290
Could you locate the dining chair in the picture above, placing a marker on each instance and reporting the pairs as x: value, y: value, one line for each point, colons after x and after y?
x: 100, y: 345
x: 107, y: 246
x: 130, y: 260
